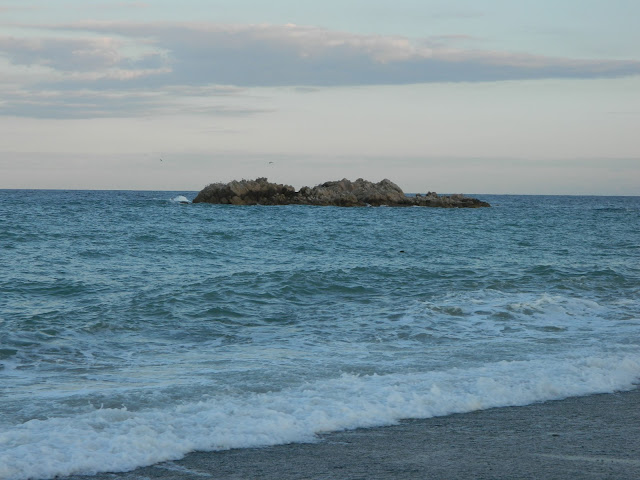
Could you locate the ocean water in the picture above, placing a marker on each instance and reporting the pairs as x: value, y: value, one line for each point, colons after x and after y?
x: 135, y: 328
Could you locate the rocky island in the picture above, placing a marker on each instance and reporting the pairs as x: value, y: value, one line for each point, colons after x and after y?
x: 340, y: 193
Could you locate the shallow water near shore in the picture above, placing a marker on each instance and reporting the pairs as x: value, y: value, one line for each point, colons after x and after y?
x: 135, y: 328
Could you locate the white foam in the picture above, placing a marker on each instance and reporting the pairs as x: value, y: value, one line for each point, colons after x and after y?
x: 120, y: 440
x: 180, y: 199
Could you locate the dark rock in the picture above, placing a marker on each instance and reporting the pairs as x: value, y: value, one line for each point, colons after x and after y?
x: 341, y: 193
x: 247, y: 192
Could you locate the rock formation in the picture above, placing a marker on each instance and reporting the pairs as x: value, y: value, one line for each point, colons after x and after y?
x: 342, y: 193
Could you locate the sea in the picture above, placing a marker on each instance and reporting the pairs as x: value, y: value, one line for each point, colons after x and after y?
x: 136, y: 327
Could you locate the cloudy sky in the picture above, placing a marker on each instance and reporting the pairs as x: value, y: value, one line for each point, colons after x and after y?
x: 473, y: 96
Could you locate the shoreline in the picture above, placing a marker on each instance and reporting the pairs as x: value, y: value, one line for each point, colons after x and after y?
x: 592, y: 437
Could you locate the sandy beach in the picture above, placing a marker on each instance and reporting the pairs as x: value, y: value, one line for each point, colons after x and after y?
x: 594, y: 437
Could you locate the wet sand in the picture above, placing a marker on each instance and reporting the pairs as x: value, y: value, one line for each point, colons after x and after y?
x: 594, y: 437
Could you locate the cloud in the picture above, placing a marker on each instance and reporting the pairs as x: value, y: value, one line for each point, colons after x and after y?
x: 85, y: 54
x: 15, y: 8
x: 277, y: 55
x: 119, y: 5
x: 129, y: 57
x: 94, y: 103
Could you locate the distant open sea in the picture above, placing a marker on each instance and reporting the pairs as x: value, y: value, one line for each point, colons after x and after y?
x: 135, y: 329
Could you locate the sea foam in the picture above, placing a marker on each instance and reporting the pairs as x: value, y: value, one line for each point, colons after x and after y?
x: 119, y: 440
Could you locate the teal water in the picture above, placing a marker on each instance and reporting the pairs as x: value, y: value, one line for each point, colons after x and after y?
x: 134, y: 328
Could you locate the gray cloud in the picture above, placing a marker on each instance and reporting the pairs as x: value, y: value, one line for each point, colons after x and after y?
x: 119, y: 5
x: 16, y: 8
x: 92, y: 55
x: 114, y: 56
x: 270, y: 55
x: 91, y: 103
x: 61, y: 53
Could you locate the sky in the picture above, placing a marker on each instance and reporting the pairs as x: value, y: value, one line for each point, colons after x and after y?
x: 467, y: 96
